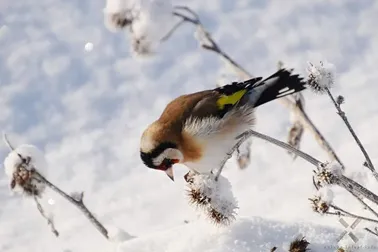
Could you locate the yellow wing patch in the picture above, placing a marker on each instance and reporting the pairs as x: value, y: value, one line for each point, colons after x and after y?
x: 230, y: 99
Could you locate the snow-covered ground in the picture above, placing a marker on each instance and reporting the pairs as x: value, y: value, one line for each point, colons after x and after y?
x: 86, y: 105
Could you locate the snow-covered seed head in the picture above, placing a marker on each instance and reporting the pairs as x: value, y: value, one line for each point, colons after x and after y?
x: 326, y: 174
x: 219, y: 218
x: 21, y: 166
x: 299, y: 245
x: 320, y: 77
x: 214, y: 198
x: 319, y: 205
x: 118, y: 20
x: 142, y: 47
x: 197, y: 199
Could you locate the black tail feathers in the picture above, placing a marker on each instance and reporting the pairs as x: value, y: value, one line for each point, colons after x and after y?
x: 280, y: 84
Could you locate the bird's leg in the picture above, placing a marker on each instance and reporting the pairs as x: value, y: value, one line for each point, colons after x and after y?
x: 242, y: 138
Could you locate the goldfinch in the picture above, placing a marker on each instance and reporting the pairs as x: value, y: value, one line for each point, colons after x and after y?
x: 198, y: 129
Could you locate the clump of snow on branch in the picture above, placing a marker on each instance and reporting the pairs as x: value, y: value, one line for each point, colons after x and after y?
x: 321, y: 76
x: 148, y: 22
x: 215, y: 198
x: 20, y: 166
x: 326, y: 194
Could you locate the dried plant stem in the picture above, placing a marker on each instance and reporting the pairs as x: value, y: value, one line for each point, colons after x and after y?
x: 371, y: 231
x: 170, y: 32
x: 49, y: 220
x: 348, y: 183
x: 341, y: 113
x: 77, y: 202
x: 339, y: 180
x: 345, y: 213
x: 310, y: 126
x: 366, y: 206
x: 244, y: 74
x: 281, y: 144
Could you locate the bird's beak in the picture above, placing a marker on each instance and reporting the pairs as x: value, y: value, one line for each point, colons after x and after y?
x: 169, y: 173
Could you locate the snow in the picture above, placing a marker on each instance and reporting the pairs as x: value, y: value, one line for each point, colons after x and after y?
x: 86, y: 111
x: 246, y: 234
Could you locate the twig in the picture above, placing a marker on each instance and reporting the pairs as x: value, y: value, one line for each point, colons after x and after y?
x: 341, y: 113
x: 283, y: 145
x: 366, y: 206
x: 244, y: 74
x: 371, y: 231
x: 348, y: 214
x: 339, y: 180
x: 6, y: 140
x: 49, y: 220
x: 173, y: 29
x: 304, y: 118
x: 77, y: 202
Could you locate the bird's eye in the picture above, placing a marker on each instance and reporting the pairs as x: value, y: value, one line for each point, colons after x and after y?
x: 167, y: 162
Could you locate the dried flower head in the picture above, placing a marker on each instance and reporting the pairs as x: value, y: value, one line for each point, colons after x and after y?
x: 321, y: 77
x: 340, y: 99
x: 299, y: 245
x: 21, y: 166
x: 213, y: 197
x: 326, y: 174
x: 319, y: 205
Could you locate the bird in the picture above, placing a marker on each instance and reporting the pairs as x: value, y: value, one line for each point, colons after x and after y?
x: 198, y: 129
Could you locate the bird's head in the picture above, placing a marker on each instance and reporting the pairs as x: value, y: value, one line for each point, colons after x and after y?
x: 159, y: 155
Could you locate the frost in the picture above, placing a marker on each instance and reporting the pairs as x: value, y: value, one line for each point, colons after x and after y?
x: 321, y: 76
x: 19, y: 166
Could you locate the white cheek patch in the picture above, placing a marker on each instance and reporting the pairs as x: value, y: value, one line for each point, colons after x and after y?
x: 169, y: 153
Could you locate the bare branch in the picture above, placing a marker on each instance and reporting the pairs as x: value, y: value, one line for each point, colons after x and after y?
x: 174, y: 28
x: 6, y: 140
x: 345, y: 213
x: 78, y: 203
x: 366, y: 206
x: 341, y: 113
x: 371, y: 231
x: 283, y: 145
x: 310, y: 126
x: 49, y: 220
x: 340, y: 180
